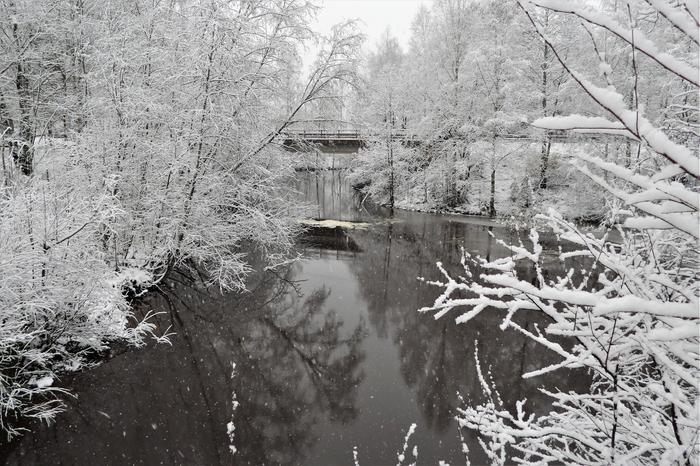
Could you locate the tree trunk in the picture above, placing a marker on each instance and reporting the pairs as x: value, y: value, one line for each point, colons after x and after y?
x: 492, y: 202
x: 547, y: 142
x: 6, y: 123
x: 391, y: 175
x: 25, y: 153
x: 546, y: 146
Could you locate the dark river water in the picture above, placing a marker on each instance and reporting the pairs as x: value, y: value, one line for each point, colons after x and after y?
x: 330, y: 354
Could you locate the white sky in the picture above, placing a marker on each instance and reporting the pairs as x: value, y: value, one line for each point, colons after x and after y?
x: 375, y: 17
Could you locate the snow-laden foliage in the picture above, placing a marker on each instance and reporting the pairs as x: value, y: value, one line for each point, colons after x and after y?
x: 476, y: 70
x: 632, y: 311
x: 60, y: 300
x: 383, y: 171
x: 472, y: 74
x: 134, y: 139
x: 231, y: 425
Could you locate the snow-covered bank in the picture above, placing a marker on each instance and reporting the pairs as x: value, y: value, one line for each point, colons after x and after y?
x: 335, y: 224
x: 422, y: 179
x: 524, y: 219
x: 63, y: 300
x: 76, y: 245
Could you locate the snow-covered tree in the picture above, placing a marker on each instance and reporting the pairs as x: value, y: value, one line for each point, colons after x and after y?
x: 632, y: 309
x: 383, y: 109
x: 157, y: 150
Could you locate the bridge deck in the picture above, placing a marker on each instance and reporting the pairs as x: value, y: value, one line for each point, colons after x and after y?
x: 361, y: 137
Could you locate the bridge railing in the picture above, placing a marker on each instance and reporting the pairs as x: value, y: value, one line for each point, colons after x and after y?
x: 342, y: 134
x: 319, y: 135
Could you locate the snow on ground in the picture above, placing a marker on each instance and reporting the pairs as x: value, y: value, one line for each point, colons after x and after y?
x: 335, y: 224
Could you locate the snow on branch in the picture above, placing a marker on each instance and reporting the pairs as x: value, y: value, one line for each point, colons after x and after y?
x: 653, y: 190
x: 641, y: 127
x: 679, y: 18
x: 624, y: 320
x: 614, y: 102
x: 583, y: 124
x: 636, y: 38
x: 686, y: 222
x: 630, y: 308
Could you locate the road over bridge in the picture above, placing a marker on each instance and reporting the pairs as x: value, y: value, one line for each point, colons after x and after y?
x: 344, y: 140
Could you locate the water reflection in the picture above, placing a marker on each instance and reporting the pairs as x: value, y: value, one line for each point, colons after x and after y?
x: 296, y: 367
x: 330, y: 196
x: 296, y: 364
x: 330, y: 354
x: 436, y: 357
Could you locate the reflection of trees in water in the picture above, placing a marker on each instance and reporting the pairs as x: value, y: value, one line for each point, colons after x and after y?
x: 294, y: 367
x: 437, y: 356
x: 330, y: 196
x: 299, y: 369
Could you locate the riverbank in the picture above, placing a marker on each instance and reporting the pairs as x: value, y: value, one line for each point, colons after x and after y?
x: 508, y: 220
x: 78, y: 239
x: 336, y: 336
x: 330, y: 354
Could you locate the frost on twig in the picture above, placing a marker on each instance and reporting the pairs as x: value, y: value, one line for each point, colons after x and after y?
x: 231, y: 426
x: 632, y: 311
x: 636, y: 328
x: 406, y: 456
x: 402, y: 455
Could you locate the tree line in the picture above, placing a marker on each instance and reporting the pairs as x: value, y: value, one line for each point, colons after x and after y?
x: 477, y: 70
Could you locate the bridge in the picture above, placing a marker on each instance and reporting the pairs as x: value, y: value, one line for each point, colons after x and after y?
x: 350, y: 138
x: 341, y: 137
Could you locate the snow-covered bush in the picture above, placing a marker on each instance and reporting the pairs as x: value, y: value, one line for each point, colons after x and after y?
x: 60, y: 300
x: 568, y: 191
x: 632, y: 309
x: 383, y: 171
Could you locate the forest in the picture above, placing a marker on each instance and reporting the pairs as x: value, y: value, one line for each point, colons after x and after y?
x: 145, y: 139
x: 470, y: 91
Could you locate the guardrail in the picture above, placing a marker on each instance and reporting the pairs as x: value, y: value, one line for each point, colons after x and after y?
x: 358, y: 135
x: 352, y: 135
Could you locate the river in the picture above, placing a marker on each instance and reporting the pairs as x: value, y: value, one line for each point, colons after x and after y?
x: 330, y: 354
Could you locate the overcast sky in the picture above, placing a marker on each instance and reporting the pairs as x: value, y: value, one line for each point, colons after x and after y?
x: 375, y: 16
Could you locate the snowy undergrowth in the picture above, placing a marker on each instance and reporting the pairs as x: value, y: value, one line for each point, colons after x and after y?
x: 423, y: 180
x: 61, y: 301
x: 408, y: 454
